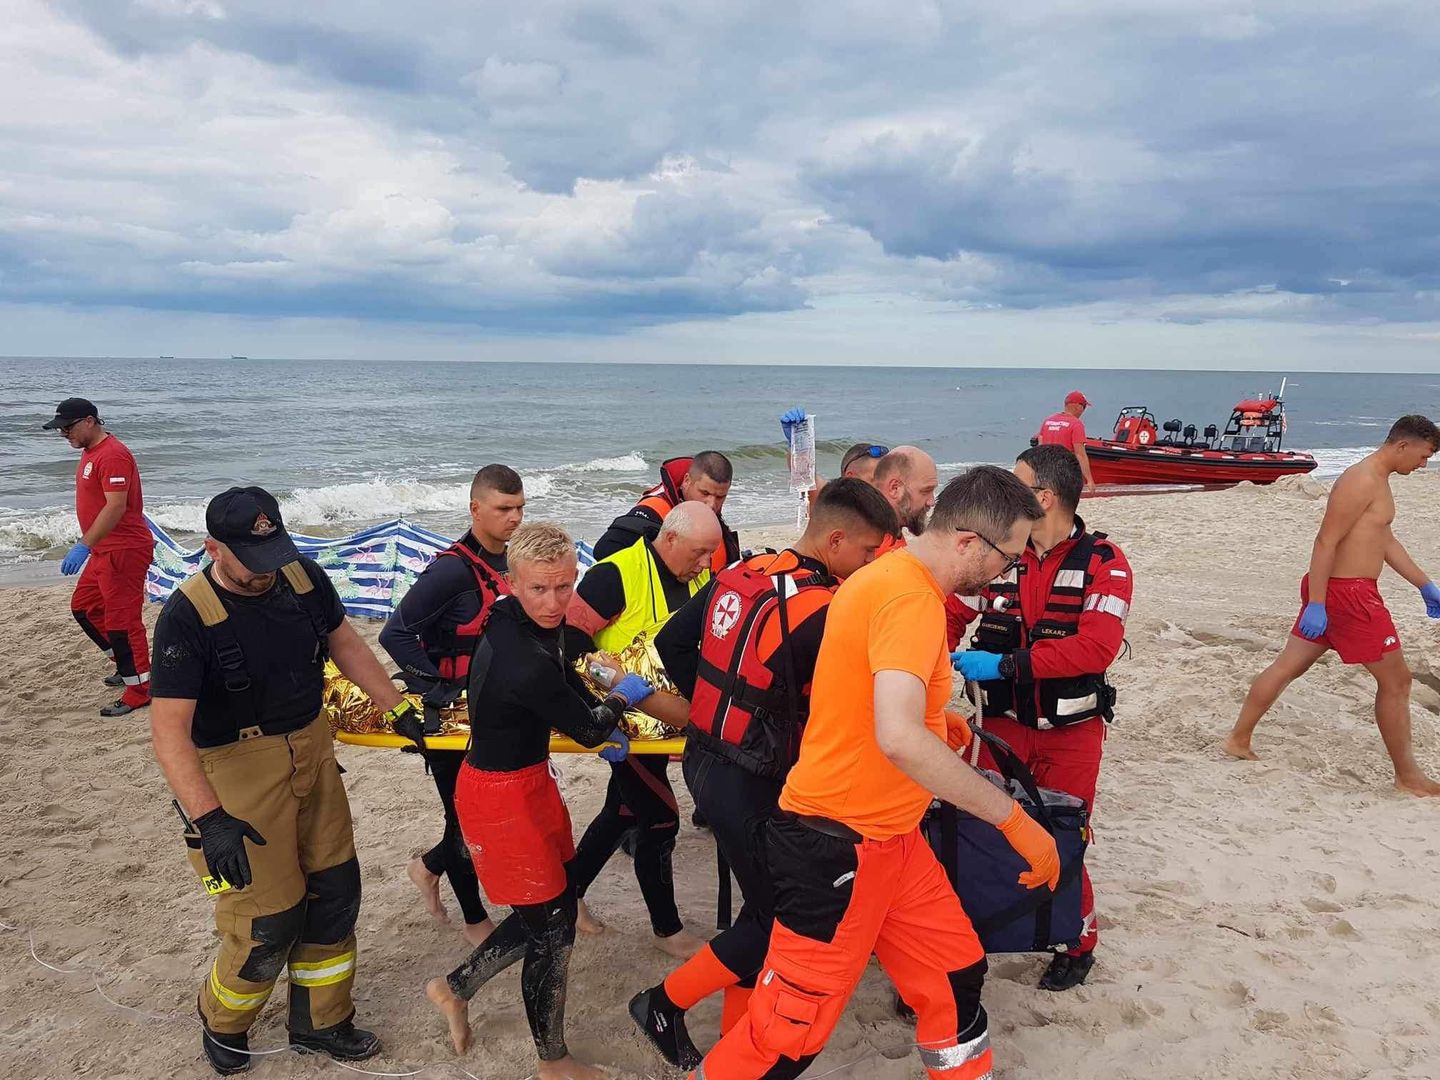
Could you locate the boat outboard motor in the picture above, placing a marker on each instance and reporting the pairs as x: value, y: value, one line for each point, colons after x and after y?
x: 1172, y: 429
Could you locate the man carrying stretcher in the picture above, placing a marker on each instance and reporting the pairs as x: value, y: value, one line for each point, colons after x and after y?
x: 852, y: 873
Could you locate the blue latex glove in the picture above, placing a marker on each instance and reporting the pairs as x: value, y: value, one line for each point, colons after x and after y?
x: 788, y: 422
x: 1431, y: 592
x: 74, y: 559
x: 1314, y: 620
x: 977, y: 666
x: 632, y: 689
x: 617, y: 754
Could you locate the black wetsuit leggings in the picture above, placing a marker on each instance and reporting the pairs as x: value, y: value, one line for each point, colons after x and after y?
x: 638, y: 796
x: 450, y: 858
x: 737, y: 803
x: 543, y: 934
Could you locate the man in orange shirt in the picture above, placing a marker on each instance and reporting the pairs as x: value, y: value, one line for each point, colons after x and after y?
x: 852, y: 873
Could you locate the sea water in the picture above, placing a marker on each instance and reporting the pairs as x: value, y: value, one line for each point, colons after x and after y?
x: 346, y: 444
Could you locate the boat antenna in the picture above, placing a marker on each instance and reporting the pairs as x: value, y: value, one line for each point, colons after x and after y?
x: 1283, y: 381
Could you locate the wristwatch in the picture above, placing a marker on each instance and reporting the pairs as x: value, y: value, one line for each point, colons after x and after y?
x: 1007, y: 666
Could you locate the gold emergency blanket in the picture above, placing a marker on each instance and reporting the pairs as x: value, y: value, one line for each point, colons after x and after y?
x: 637, y: 658
x: 348, y: 708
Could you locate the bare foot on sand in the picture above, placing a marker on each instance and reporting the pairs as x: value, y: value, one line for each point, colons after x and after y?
x: 476, y: 932
x: 455, y: 1010
x: 1239, y: 748
x: 586, y: 922
x: 429, y: 886
x: 681, y: 946
x: 567, y: 1068
x: 1419, y: 784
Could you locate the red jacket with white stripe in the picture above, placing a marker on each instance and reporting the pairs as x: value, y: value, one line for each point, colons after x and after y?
x: 1061, y: 620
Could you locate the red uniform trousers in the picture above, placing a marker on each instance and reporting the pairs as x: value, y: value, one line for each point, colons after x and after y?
x: 1063, y: 759
x: 107, y: 603
x: 838, y: 900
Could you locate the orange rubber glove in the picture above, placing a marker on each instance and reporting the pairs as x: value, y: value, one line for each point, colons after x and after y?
x: 957, y: 732
x: 1035, y: 846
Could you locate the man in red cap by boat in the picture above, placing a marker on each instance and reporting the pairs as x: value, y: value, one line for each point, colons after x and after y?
x: 1066, y: 429
x: 1341, y: 606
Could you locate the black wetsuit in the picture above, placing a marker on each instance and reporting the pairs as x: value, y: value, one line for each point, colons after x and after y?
x: 639, y: 795
x: 521, y: 690
x: 641, y: 520
x: 444, y: 596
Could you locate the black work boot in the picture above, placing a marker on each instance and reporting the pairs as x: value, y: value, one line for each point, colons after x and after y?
x: 1066, y: 971
x: 343, y: 1042
x: 662, y: 1022
x: 116, y: 680
x: 226, y: 1053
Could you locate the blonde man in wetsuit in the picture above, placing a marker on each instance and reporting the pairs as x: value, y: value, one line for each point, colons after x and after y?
x: 1341, y: 608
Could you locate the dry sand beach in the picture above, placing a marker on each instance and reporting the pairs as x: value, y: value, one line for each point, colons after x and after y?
x: 1260, y: 919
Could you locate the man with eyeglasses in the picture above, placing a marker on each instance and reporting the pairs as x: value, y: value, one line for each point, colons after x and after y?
x: 1051, y: 623
x: 853, y: 876
x: 114, y: 549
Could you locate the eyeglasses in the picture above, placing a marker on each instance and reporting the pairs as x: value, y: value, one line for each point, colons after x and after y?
x: 1011, y: 561
x: 64, y: 429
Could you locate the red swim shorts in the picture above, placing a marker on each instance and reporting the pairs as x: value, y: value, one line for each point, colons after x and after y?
x: 518, y: 831
x: 1360, y: 629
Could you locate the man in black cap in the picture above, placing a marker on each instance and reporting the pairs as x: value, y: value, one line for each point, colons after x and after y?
x: 115, y: 549
x: 242, y: 740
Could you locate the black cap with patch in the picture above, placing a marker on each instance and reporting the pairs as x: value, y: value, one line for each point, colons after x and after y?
x: 69, y: 411
x: 247, y: 521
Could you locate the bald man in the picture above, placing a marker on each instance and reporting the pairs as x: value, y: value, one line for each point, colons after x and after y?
x: 907, y: 477
x: 633, y: 591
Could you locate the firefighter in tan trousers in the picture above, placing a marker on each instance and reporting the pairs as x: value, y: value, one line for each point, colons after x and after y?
x: 239, y: 733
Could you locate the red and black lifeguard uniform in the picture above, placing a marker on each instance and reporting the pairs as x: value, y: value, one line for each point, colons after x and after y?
x: 432, y: 635
x: 110, y: 594
x: 745, y: 659
x: 1062, y: 617
x: 647, y: 515
x: 512, y: 815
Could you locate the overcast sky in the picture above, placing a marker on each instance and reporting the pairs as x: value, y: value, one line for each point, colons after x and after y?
x: 1131, y: 182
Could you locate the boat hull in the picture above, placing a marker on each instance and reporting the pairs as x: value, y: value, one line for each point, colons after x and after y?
x: 1119, y: 463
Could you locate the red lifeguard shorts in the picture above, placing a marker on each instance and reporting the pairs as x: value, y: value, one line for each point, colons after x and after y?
x: 518, y: 831
x: 1360, y: 628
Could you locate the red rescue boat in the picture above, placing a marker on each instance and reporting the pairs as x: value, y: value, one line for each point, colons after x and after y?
x: 1140, y: 452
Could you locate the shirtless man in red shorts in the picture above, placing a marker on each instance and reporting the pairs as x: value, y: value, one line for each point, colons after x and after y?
x: 1341, y: 608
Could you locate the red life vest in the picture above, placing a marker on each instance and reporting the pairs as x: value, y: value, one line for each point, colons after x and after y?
x: 456, y: 647
x: 664, y: 497
x: 1045, y: 703
x: 739, y: 711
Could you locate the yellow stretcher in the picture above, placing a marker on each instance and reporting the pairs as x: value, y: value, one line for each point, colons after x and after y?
x: 559, y: 744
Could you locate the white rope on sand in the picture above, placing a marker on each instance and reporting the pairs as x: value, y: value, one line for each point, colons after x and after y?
x: 444, y: 1066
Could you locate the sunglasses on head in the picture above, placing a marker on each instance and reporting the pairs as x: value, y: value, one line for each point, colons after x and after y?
x: 878, y: 451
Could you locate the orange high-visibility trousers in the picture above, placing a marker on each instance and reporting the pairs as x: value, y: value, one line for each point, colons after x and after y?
x: 840, y: 898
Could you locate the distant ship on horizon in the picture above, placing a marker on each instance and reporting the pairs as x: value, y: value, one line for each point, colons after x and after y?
x: 233, y: 357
